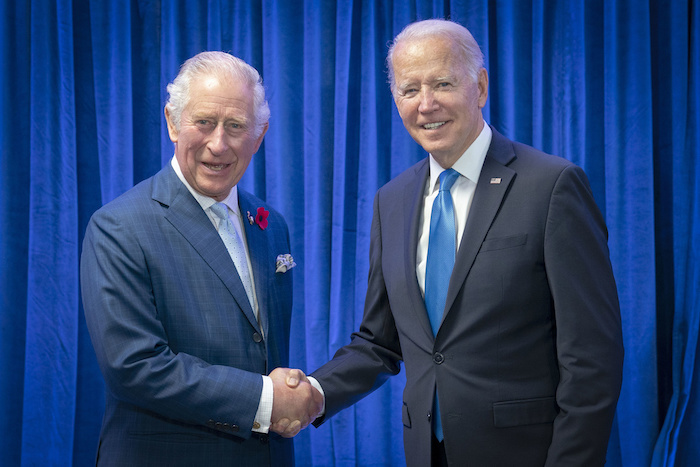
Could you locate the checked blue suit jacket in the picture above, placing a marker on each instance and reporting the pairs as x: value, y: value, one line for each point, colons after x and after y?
x: 175, y: 336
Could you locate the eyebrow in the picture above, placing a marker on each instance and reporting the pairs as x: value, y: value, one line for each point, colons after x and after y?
x: 207, y: 115
x: 408, y: 84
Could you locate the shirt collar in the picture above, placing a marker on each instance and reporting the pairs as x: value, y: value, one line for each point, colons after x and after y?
x: 469, y: 164
x: 205, y: 201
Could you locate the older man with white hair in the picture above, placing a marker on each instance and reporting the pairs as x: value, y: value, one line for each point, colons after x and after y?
x: 489, y: 278
x: 186, y: 304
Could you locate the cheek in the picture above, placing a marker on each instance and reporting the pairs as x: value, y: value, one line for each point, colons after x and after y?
x: 405, y: 108
x: 243, y: 150
x: 191, y: 142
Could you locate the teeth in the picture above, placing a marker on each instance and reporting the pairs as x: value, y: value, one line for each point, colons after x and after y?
x: 432, y: 126
x: 216, y: 167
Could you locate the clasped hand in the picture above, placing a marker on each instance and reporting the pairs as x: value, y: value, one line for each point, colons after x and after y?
x: 295, y: 402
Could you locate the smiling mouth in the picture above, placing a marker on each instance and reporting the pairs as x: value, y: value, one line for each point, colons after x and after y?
x: 215, y: 168
x: 432, y: 126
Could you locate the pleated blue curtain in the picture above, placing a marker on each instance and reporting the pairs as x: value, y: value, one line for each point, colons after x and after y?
x: 677, y: 147
x: 612, y: 85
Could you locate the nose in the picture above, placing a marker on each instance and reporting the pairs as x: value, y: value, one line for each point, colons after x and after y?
x: 217, y: 140
x: 427, y: 102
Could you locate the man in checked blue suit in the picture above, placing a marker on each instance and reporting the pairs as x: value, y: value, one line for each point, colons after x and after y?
x: 187, y: 291
x: 509, y: 326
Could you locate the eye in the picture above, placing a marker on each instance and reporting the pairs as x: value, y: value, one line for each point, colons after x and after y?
x: 234, y: 127
x: 443, y: 84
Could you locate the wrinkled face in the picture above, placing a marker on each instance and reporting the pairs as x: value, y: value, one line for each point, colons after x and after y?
x: 216, y: 139
x: 439, y: 103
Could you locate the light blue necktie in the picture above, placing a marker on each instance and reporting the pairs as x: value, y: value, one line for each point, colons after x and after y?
x: 441, y: 260
x: 235, y: 247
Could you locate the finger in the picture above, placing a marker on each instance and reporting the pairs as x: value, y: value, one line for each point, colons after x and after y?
x: 280, y: 426
x: 294, y: 377
x: 292, y: 430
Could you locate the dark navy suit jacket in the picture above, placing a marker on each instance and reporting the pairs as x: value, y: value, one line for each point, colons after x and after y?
x: 175, y: 336
x: 528, y: 358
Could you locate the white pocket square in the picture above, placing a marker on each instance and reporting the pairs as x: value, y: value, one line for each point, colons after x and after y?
x: 284, y: 263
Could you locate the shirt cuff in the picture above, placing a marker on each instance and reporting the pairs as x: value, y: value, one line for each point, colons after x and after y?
x: 314, y: 382
x: 264, y: 413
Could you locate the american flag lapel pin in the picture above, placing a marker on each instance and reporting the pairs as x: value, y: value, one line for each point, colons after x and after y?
x: 496, y: 181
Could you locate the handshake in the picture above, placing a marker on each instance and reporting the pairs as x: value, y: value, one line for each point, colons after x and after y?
x: 296, y: 403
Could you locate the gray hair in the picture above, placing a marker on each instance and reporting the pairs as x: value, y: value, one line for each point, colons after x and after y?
x: 458, y: 34
x: 223, y: 65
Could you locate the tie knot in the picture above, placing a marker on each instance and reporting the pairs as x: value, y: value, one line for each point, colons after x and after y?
x: 447, y: 179
x: 221, y: 210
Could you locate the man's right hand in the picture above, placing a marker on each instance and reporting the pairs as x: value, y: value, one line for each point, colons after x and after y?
x: 295, y: 402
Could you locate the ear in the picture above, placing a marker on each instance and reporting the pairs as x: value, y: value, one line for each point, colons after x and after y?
x: 483, y: 83
x: 260, y: 138
x: 172, y: 129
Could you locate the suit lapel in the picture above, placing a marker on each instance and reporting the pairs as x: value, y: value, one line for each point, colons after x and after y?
x: 414, y: 192
x: 491, y: 189
x: 258, y: 249
x: 188, y: 218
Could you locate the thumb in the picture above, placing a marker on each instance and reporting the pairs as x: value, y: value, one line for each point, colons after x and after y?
x: 293, y: 378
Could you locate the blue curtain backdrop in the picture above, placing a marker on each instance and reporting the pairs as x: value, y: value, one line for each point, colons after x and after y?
x: 612, y: 85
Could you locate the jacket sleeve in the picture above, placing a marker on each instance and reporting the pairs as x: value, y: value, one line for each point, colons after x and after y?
x: 124, y: 318
x: 374, y: 353
x: 588, y: 329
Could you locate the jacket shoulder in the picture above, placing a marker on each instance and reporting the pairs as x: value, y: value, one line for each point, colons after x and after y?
x: 417, y: 171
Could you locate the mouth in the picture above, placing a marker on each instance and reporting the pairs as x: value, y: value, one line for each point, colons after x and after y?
x: 432, y: 126
x: 215, y: 167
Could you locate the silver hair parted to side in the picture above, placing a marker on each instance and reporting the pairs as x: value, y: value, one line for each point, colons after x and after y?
x: 220, y: 64
x: 458, y: 34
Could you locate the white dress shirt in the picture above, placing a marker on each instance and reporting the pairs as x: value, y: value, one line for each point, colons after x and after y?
x: 469, y: 168
x: 264, y: 413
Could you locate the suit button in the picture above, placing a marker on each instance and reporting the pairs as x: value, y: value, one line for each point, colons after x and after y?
x: 257, y: 338
x: 438, y: 358
x: 430, y: 417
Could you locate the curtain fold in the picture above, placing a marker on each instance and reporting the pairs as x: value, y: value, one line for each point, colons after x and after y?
x: 629, y: 203
x: 677, y: 443
x: 14, y: 223
x: 315, y: 208
x: 613, y: 86
x: 51, y: 346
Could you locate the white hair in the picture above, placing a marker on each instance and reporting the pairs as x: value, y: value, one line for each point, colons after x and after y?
x: 458, y: 34
x: 223, y: 65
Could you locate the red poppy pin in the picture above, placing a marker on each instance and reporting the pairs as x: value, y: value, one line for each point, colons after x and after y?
x: 261, y: 218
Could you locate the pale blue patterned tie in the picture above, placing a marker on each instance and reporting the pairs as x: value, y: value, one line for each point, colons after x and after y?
x: 441, y: 260
x: 235, y: 247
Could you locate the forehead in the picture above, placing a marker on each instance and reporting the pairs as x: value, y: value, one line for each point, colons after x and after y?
x: 212, y: 93
x: 425, y: 58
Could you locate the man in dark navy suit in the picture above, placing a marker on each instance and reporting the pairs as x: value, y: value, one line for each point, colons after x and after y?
x: 520, y: 361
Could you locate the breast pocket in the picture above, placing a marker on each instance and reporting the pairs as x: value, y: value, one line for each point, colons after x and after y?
x: 502, y: 243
